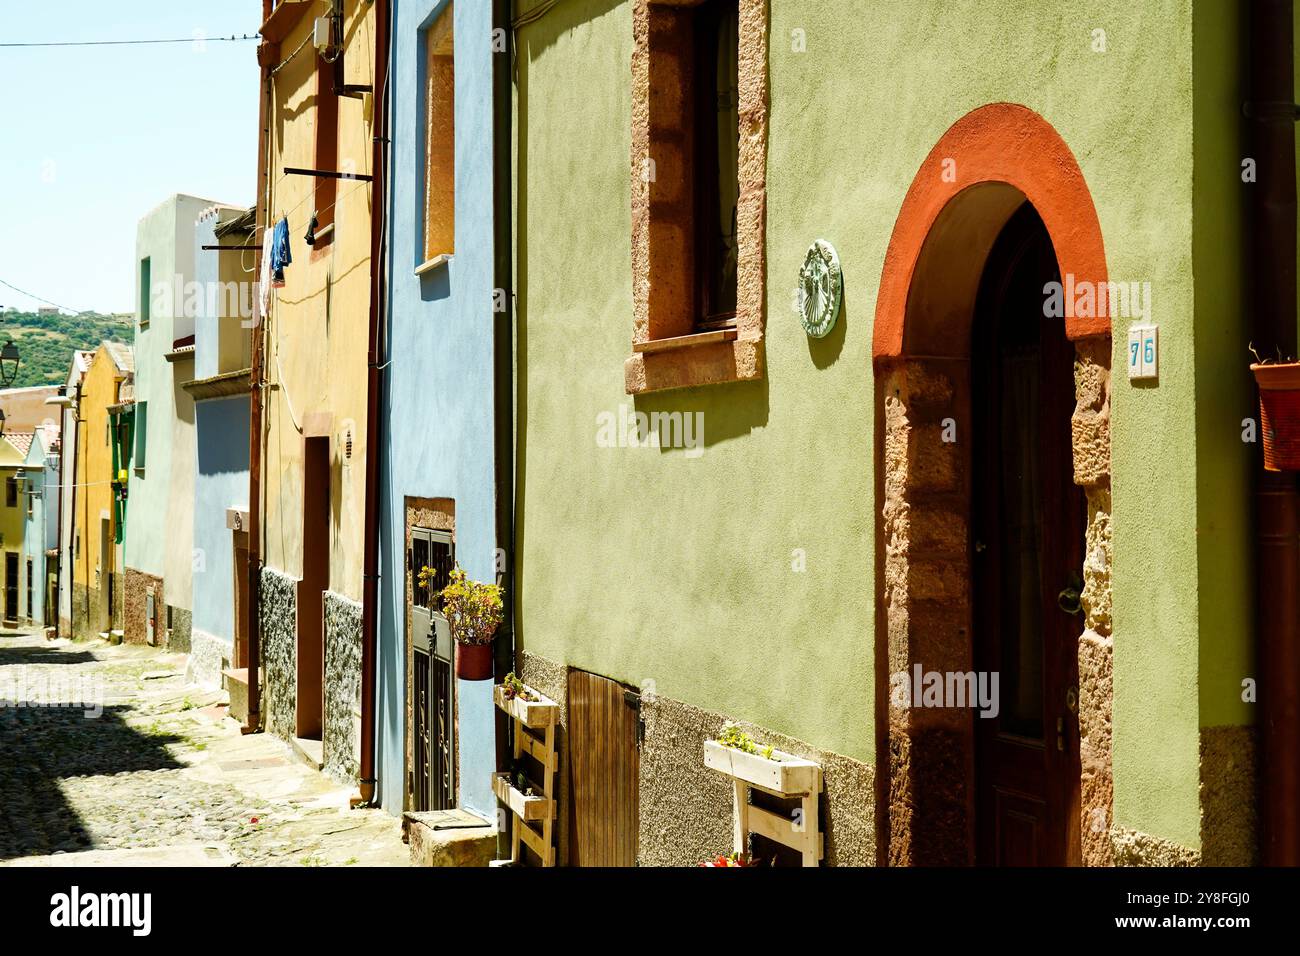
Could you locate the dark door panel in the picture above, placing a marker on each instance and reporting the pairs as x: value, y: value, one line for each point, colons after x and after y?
x: 1027, y: 530
x: 433, y: 776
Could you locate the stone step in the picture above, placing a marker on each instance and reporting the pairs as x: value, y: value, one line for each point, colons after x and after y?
x: 310, y: 752
x: 449, y: 838
x: 236, y: 681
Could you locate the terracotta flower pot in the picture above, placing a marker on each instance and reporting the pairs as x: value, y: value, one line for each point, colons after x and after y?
x: 474, y: 661
x: 1279, y: 414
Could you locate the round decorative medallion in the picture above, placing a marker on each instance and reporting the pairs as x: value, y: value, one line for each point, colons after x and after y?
x: 820, y: 286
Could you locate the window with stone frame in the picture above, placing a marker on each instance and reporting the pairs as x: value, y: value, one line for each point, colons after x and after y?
x: 440, y: 139
x: 326, y: 148
x: 699, y: 114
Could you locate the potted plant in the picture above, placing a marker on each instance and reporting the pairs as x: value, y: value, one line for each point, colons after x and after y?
x: 729, y: 860
x: 1279, y: 411
x: 520, y: 701
x: 474, y: 611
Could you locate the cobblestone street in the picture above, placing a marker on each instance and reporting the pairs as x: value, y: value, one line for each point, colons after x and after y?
x: 161, y: 776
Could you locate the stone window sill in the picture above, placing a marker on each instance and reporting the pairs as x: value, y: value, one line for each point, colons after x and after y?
x: 430, y: 264
x: 705, y: 358
x: 686, y: 341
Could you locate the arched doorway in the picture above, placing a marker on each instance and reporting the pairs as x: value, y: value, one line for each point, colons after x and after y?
x: 992, y: 426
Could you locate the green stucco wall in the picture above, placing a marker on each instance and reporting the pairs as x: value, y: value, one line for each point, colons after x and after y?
x: 645, y: 565
x: 1224, y: 391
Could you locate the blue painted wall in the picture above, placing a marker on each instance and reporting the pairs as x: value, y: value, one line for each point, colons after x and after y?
x: 438, y: 388
x: 220, y: 482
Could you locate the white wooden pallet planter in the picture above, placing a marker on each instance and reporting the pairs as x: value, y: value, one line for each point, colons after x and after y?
x: 534, y: 735
x: 783, y: 775
x: 537, y: 714
x: 523, y: 806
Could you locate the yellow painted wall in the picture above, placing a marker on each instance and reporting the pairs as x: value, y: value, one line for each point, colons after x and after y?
x: 11, y: 524
x: 94, y: 559
x: 316, y: 337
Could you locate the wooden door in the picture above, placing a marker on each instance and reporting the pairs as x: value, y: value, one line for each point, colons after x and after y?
x: 11, y: 586
x: 1027, y: 554
x: 239, y: 592
x: 604, y: 766
x: 316, y: 517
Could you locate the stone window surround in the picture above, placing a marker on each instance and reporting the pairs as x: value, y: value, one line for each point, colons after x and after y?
x: 666, y: 350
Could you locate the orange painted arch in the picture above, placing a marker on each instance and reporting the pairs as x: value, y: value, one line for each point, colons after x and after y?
x: 997, y: 143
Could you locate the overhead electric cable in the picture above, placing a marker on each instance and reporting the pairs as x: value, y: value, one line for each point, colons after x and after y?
x: 193, y: 39
x: 39, y: 299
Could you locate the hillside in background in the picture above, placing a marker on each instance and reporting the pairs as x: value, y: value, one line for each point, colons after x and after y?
x: 46, y: 342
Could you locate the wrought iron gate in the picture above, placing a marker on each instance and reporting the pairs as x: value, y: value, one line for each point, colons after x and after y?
x: 433, y: 774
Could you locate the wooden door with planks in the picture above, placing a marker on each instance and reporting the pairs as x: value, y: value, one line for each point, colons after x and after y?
x: 604, y: 765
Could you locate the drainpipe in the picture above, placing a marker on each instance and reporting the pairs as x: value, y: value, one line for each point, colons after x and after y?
x: 63, y: 477
x: 1271, y: 113
x: 503, y: 377
x: 253, y: 627
x: 503, y: 331
x: 374, y: 421
x: 72, y: 515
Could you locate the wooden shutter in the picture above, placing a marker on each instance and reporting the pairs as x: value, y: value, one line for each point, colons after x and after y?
x: 604, y: 765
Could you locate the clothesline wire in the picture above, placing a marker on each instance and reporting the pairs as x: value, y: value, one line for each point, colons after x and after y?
x: 40, y: 298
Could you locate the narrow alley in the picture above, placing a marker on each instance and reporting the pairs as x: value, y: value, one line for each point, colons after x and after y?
x: 113, y: 758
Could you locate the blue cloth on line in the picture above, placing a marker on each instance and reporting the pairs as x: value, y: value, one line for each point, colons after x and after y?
x: 280, y: 256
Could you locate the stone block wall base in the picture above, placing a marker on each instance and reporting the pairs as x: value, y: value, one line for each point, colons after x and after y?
x: 180, y: 636
x: 119, y: 602
x: 279, y: 615
x: 209, y: 655
x: 686, y: 808
x: 135, y: 606
x: 929, y: 797
x: 1133, y: 848
x: 84, y: 627
x: 342, y: 686
x: 1229, y: 781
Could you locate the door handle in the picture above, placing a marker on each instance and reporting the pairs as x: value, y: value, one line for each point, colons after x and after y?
x: 1072, y: 705
x: 1068, y: 600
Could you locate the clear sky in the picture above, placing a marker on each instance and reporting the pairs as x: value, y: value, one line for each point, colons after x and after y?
x: 92, y: 138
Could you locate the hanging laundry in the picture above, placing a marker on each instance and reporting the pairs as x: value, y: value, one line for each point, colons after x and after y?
x: 264, y: 281
x: 280, y: 256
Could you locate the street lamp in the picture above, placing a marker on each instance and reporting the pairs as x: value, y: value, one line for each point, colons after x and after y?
x: 9, y: 359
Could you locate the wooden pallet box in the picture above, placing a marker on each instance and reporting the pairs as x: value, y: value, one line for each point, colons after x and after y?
x: 535, y: 723
x: 783, y: 773
x: 537, y: 714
